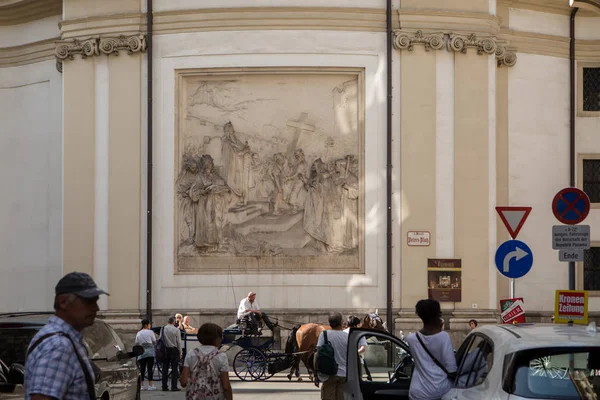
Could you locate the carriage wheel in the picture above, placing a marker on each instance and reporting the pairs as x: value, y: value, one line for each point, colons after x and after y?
x: 249, y: 364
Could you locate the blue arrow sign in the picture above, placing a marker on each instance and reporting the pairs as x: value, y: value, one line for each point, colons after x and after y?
x: 514, y: 259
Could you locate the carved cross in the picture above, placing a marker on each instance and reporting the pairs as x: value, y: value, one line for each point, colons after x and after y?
x: 299, y: 126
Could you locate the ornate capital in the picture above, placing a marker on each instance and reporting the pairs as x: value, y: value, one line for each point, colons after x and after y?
x: 505, y: 56
x: 489, y: 45
x: 66, y: 49
x: 461, y: 43
x: 406, y: 41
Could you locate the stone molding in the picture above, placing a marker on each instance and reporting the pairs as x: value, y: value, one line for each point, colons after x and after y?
x: 27, y: 54
x: 459, y: 43
x: 24, y: 11
x: 67, y: 49
x: 560, y: 7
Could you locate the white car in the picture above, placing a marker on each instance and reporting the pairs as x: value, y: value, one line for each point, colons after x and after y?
x: 496, y: 362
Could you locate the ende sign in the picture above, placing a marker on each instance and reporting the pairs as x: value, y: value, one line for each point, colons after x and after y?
x: 571, y: 305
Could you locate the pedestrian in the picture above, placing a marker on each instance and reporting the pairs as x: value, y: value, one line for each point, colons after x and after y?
x: 333, y: 385
x: 433, y: 355
x: 57, y: 364
x: 473, y: 324
x: 172, y: 338
x: 354, y: 322
x: 147, y: 339
x: 206, y: 369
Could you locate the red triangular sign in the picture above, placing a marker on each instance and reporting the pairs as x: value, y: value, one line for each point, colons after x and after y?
x: 513, y: 218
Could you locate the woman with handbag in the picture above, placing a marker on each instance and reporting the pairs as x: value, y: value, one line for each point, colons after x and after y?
x: 147, y: 339
x: 433, y: 355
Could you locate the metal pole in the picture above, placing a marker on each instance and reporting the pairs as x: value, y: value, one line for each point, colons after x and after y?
x: 512, y: 289
x: 572, y: 124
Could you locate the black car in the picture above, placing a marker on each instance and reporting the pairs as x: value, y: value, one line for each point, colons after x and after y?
x: 117, y: 375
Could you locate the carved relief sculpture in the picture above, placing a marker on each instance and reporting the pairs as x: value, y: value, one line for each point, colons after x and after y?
x: 269, y: 172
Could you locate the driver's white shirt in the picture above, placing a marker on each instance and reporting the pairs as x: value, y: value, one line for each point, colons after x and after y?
x: 246, y: 305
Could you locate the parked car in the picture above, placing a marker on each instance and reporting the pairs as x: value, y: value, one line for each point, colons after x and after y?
x: 496, y: 362
x: 117, y: 375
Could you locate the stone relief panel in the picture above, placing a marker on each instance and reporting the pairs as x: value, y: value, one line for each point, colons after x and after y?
x: 269, y: 171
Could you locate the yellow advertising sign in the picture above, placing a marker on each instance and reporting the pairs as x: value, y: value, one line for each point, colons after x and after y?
x: 571, y: 305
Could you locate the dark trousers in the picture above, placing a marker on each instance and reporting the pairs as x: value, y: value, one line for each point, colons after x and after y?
x: 147, y: 364
x: 257, y: 320
x: 172, y: 360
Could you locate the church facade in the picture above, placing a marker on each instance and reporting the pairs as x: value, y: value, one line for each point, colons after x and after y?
x: 339, y: 155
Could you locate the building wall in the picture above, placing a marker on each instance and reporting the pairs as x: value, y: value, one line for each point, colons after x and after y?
x: 280, y: 49
x: 30, y: 175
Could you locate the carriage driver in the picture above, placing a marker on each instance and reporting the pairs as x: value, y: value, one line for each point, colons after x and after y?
x: 250, y: 309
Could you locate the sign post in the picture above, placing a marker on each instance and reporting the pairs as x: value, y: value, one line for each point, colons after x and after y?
x: 571, y: 206
x: 513, y: 219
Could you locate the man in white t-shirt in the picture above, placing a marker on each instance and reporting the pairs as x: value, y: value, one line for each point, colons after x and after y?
x: 250, y: 309
x: 429, y: 347
x: 333, y: 385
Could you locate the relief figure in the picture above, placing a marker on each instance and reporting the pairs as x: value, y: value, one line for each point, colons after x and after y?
x: 187, y: 221
x: 235, y: 156
x: 296, y: 182
x: 211, y: 197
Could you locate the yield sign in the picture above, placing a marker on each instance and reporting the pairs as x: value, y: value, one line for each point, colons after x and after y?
x: 513, y: 218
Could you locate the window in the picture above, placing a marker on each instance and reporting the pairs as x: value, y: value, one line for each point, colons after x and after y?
x: 384, y: 361
x: 591, y: 179
x: 553, y: 373
x: 591, y: 89
x: 100, y: 341
x: 475, y: 362
x: 591, y: 269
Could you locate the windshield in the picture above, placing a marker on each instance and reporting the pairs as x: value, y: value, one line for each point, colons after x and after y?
x: 556, y: 373
x: 14, y: 343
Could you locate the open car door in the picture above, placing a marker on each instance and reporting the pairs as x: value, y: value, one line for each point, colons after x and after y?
x: 384, y: 371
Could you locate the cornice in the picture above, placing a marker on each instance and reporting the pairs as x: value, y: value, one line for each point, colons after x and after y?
x: 439, y: 20
x: 29, y: 10
x: 67, y: 49
x: 27, y: 54
x: 460, y: 43
x: 280, y: 18
x: 547, y: 6
x: 121, y: 24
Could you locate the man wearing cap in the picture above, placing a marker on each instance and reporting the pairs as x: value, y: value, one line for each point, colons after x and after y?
x: 57, y: 365
x: 250, y: 309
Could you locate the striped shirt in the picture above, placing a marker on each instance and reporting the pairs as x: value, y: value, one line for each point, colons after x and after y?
x: 52, y: 369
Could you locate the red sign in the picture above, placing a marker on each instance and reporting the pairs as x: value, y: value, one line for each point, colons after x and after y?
x: 513, y: 218
x: 513, y: 311
x: 571, y: 305
x: 571, y: 206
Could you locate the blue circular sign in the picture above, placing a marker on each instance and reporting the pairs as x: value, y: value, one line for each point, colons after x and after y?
x: 571, y: 206
x: 514, y: 259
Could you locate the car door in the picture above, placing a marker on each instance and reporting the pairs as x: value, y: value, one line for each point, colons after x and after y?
x: 475, y: 378
x: 389, y: 362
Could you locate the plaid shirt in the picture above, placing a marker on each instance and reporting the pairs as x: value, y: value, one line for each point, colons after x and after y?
x: 52, y: 369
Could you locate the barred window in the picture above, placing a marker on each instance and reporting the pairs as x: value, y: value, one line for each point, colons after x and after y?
x: 591, y: 269
x: 591, y: 179
x: 591, y: 89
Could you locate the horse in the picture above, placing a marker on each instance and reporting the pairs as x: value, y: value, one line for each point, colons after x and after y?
x: 304, y: 338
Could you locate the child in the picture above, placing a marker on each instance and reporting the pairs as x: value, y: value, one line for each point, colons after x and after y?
x: 207, y: 368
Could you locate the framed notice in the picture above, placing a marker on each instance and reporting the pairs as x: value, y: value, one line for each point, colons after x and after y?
x: 571, y: 305
x: 444, y: 278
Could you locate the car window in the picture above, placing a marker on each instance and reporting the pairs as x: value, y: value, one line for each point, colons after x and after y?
x: 100, y: 341
x: 560, y: 374
x: 383, y: 361
x: 14, y: 343
x: 117, y: 339
x: 475, y: 363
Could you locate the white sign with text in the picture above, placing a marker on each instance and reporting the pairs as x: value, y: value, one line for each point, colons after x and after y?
x: 418, y: 238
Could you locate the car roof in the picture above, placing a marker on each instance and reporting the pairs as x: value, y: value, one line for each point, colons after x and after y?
x: 532, y: 336
x: 36, y: 319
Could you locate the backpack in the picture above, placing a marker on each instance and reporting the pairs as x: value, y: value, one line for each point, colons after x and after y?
x: 205, y: 381
x: 160, y: 349
x: 326, y: 363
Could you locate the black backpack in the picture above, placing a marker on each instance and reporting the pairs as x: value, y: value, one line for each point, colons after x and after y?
x: 326, y: 358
